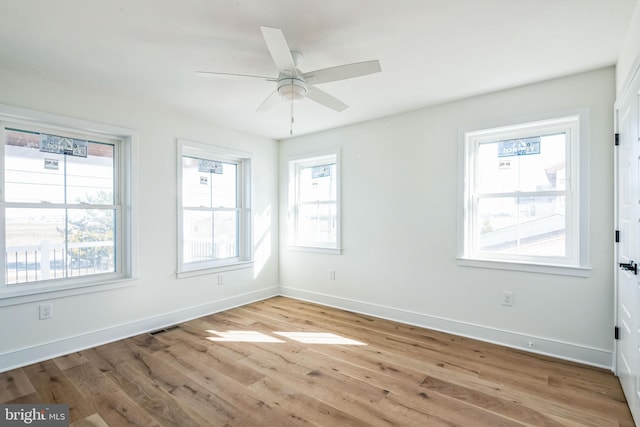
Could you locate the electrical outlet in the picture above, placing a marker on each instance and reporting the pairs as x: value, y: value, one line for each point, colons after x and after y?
x: 220, y: 279
x: 332, y: 275
x: 507, y: 298
x: 45, y: 311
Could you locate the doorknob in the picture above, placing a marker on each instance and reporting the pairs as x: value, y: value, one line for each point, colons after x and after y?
x: 632, y: 266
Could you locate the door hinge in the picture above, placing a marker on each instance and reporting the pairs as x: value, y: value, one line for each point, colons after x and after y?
x: 617, y: 139
x: 631, y: 266
x: 617, y: 236
x: 616, y: 333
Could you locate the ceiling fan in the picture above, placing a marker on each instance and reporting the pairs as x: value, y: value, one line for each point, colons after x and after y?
x: 292, y: 85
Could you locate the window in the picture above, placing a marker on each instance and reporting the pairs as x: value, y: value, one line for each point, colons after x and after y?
x: 214, y: 216
x: 522, y: 196
x: 314, y: 203
x: 62, y: 209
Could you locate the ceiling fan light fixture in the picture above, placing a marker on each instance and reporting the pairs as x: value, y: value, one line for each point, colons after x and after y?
x: 292, y: 89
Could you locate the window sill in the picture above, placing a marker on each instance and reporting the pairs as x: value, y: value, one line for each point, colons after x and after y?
x: 24, y: 294
x: 316, y: 249
x: 201, y: 271
x: 563, y: 270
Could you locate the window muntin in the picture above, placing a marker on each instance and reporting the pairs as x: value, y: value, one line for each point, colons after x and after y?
x: 314, y: 202
x: 214, y: 217
x: 61, y: 219
x: 522, y: 193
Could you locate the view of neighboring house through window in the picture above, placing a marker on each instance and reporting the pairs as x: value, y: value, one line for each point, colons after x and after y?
x: 521, y: 195
x: 314, y: 202
x: 214, y: 215
x: 61, y: 208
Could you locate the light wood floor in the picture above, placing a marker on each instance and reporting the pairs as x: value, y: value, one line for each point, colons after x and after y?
x: 402, y: 375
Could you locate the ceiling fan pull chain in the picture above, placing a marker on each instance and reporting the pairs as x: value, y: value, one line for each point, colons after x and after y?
x: 291, y: 124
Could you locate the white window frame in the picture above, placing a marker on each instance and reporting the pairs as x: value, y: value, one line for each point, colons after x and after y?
x: 575, y: 262
x: 295, y: 165
x: 245, y: 226
x: 125, y: 181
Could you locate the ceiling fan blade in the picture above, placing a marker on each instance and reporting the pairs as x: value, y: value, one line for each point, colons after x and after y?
x: 234, y: 76
x: 279, y: 49
x: 342, y: 72
x: 268, y: 103
x: 323, y: 98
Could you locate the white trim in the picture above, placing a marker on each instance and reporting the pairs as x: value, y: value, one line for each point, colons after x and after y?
x: 16, y: 358
x: 562, y: 270
x: 576, y: 263
x: 126, y: 180
x: 316, y: 249
x: 244, y: 184
x: 559, y: 349
x: 294, y: 163
x: 540, y: 345
x: 629, y: 80
x: 214, y: 270
x: 40, y: 291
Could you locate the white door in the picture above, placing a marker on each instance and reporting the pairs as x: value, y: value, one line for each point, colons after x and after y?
x: 628, y: 215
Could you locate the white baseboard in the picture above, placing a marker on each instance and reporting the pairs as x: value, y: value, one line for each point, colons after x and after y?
x: 44, y: 351
x: 549, y: 347
x: 539, y: 345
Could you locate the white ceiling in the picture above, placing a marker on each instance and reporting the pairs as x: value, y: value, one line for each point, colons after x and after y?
x: 431, y: 51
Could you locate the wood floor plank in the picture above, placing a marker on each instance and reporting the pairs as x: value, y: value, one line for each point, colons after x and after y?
x: 93, y: 420
x: 224, y: 391
x: 503, y: 370
x: 70, y: 361
x: 265, y: 364
x: 108, y: 400
x: 14, y: 384
x: 27, y: 398
x: 53, y: 386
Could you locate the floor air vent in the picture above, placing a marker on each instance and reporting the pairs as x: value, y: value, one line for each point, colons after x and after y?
x: 162, y: 331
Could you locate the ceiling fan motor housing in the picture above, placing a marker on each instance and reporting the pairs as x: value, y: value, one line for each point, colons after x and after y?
x: 292, y: 89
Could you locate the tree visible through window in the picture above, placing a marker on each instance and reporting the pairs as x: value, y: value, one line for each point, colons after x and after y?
x: 61, y: 208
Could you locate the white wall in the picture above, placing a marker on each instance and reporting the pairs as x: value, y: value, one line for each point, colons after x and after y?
x: 399, y: 212
x: 400, y: 180
x: 629, y: 52
x: 156, y: 298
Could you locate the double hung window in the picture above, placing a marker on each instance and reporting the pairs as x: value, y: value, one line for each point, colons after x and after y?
x: 61, y: 207
x: 314, y: 202
x: 214, y: 215
x: 522, y: 194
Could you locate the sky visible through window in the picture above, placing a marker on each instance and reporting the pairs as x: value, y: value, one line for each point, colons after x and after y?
x: 517, y: 211
x: 51, y: 227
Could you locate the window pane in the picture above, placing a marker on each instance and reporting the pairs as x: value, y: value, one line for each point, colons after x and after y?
x: 225, y: 240
x: 209, y: 235
x: 31, y: 175
x: 317, y: 223
x: 224, y: 187
x: 90, y: 179
x: 318, y: 183
x: 196, y: 185
x: 522, y: 225
x: 504, y: 167
x: 197, y: 236
x: 57, y: 243
x: 203, y: 188
x: 91, y: 246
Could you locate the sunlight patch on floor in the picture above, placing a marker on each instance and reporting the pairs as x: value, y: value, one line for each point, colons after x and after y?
x: 302, y: 337
x: 318, y: 338
x: 242, y: 336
